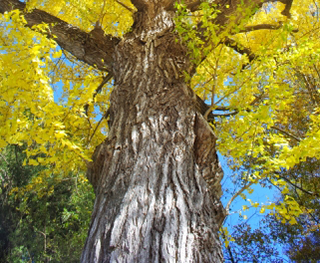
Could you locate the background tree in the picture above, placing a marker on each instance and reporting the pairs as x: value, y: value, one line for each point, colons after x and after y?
x: 299, y: 241
x: 156, y: 177
x: 38, y: 225
x: 253, y: 245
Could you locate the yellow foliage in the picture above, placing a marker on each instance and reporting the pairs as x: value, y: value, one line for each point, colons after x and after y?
x: 227, y: 238
x: 268, y: 95
x: 58, y: 132
x: 113, y: 17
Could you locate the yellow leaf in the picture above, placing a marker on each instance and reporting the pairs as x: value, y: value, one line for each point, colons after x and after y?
x: 293, y: 221
x: 57, y: 54
x: 255, y: 205
x: 33, y: 162
x: 250, y: 190
x: 60, y: 134
x: 285, y: 190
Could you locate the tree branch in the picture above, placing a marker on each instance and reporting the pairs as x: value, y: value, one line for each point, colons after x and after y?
x: 228, y: 13
x: 240, y: 48
x: 125, y: 6
x: 260, y: 27
x: 286, y: 133
x: 228, y: 248
x: 98, y: 90
x: 263, y: 26
x: 225, y: 114
x: 237, y: 194
x: 286, y: 10
x: 203, y: 108
x: 90, y: 48
x: 297, y: 186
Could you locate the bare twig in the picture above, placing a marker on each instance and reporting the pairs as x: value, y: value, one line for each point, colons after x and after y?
x: 98, y: 89
x: 237, y: 194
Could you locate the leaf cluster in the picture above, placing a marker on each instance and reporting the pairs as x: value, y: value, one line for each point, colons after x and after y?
x: 50, y: 227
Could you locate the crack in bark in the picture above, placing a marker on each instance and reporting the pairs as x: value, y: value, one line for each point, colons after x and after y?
x: 142, y: 187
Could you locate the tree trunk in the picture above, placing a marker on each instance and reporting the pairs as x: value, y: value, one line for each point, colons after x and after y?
x: 157, y: 176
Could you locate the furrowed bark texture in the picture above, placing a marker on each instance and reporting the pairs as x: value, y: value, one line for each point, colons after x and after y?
x: 151, y: 175
x: 157, y: 176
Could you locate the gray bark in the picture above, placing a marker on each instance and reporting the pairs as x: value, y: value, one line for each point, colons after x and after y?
x: 152, y: 175
x: 157, y: 175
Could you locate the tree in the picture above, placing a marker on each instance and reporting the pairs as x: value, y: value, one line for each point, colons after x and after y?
x: 298, y: 241
x: 252, y: 245
x: 40, y: 226
x: 156, y: 176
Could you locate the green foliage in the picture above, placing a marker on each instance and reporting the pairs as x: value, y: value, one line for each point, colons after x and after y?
x: 52, y: 226
x: 189, y: 25
x: 269, y: 79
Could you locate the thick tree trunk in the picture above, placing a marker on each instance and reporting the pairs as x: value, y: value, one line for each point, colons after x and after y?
x: 156, y: 177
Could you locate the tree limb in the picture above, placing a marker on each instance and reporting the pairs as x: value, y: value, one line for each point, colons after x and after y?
x: 203, y: 108
x: 286, y: 10
x: 240, y: 48
x: 263, y: 26
x: 260, y: 27
x: 286, y: 133
x: 297, y: 186
x: 98, y: 90
x: 125, y: 6
x: 228, y: 13
x: 245, y: 187
x: 225, y: 114
x: 90, y: 48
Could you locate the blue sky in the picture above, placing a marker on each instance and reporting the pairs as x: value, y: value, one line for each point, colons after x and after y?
x: 260, y: 194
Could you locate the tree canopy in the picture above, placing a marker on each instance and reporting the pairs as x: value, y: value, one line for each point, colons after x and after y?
x: 255, y: 73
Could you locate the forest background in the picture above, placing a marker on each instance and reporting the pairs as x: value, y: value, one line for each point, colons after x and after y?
x: 260, y: 80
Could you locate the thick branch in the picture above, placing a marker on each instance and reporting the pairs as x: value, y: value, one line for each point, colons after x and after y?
x: 286, y: 11
x: 240, y: 49
x: 259, y: 27
x: 90, y: 48
x: 228, y: 13
x: 263, y: 26
x: 204, y: 109
x: 226, y: 114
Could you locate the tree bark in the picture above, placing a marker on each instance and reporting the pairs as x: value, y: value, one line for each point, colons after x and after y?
x: 152, y: 174
x: 157, y: 175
